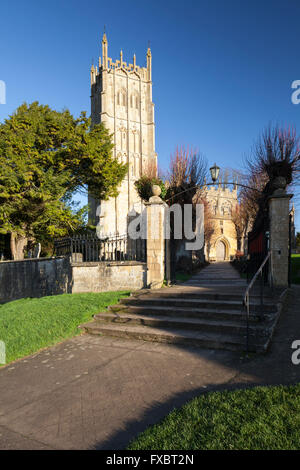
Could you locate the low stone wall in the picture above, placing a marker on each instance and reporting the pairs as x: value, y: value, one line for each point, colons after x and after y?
x: 53, y: 276
x: 34, y: 278
x: 108, y: 276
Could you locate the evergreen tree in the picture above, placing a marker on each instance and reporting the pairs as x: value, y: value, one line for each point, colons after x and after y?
x: 45, y: 156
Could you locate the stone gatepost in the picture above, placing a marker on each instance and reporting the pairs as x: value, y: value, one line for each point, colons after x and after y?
x: 156, y: 217
x: 279, y: 204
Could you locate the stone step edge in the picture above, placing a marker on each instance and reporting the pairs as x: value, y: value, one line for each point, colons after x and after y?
x: 189, y: 322
x: 128, y: 300
x: 125, y: 308
x: 145, y: 333
x: 189, y: 304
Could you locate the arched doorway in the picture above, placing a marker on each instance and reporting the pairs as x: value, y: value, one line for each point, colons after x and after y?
x: 220, y: 251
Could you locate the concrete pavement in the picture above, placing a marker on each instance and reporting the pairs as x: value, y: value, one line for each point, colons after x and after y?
x: 98, y: 393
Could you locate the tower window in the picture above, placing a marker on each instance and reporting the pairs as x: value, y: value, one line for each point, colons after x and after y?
x: 121, y: 98
x: 134, y: 101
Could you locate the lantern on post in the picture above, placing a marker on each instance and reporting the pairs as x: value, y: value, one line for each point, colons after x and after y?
x: 214, y: 171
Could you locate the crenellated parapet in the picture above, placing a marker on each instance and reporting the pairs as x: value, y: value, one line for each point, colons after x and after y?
x: 107, y: 64
x: 222, y: 199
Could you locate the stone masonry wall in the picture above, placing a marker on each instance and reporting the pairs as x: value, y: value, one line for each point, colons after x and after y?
x: 34, y: 278
x: 109, y: 276
x: 53, y: 276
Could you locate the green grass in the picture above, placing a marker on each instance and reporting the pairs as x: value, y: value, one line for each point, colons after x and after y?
x: 28, y: 325
x: 183, y: 277
x: 257, y: 418
x: 295, y: 269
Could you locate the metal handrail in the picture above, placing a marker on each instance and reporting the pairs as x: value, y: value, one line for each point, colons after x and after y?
x: 246, y: 300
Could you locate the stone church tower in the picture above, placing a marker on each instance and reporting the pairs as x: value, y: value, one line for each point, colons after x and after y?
x: 222, y: 202
x: 121, y: 98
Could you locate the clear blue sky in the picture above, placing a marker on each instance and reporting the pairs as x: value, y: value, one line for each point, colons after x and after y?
x: 222, y: 70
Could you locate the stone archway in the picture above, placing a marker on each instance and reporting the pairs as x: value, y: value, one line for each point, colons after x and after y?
x: 222, y: 249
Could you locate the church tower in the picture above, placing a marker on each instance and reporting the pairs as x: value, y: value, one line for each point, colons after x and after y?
x: 222, y: 202
x: 121, y: 98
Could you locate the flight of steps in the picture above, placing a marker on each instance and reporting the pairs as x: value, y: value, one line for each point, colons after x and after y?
x: 208, y: 317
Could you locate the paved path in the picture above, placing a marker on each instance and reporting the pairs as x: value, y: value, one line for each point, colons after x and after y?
x: 98, y: 393
x: 221, y: 273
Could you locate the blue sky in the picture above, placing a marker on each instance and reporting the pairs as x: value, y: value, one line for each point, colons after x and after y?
x: 222, y: 70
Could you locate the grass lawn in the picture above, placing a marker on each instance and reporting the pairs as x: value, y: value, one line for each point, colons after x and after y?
x: 257, y: 418
x: 183, y: 276
x: 28, y: 325
x: 295, y: 270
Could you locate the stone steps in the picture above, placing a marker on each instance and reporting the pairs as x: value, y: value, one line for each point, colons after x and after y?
x: 208, y: 316
x: 209, y: 340
x: 151, y: 318
x: 194, y: 303
x: 219, y: 293
x: 162, y: 321
x: 184, y: 312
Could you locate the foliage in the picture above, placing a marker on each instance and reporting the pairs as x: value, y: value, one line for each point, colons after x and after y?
x: 28, y: 325
x: 298, y: 239
x: 295, y: 269
x: 144, y: 187
x: 262, y: 418
x: 45, y: 156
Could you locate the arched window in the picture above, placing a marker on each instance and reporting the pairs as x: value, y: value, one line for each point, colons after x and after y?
x: 123, y: 140
x: 121, y: 98
x: 136, y: 142
x: 134, y: 101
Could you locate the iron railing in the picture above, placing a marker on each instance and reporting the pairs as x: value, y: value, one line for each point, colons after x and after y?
x: 89, y: 248
x: 246, y: 300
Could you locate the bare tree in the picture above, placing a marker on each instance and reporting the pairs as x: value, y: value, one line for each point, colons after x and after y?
x: 150, y: 169
x: 241, y: 220
x: 274, y: 163
x: 187, y: 173
x: 276, y: 154
x: 209, y: 227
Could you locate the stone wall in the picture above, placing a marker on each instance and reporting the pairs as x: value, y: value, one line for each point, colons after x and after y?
x: 279, y: 238
x: 34, y: 278
x: 108, y: 276
x: 53, y: 276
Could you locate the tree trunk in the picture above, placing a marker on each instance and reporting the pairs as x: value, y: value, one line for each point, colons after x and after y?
x: 17, y: 245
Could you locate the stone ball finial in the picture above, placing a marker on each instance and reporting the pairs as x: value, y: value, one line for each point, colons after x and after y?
x: 279, y: 185
x: 156, y: 190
